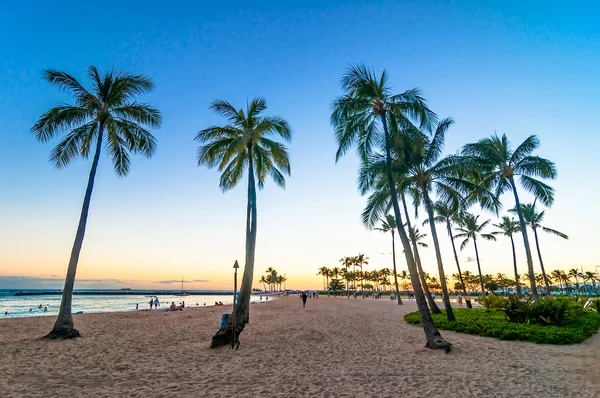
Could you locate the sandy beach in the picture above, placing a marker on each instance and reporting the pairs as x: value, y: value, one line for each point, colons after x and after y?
x: 336, y: 347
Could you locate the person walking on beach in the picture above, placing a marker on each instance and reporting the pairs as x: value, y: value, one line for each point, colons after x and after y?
x: 459, y: 300
x: 156, y: 303
x: 136, y: 306
x: 151, y: 303
x: 304, y: 297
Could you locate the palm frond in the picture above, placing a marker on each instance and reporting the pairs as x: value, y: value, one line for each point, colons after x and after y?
x: 540, y: 190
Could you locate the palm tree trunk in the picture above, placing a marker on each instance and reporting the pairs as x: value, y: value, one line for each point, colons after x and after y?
x: 479, y: 266
x: 438, y: 255
x: 433, y: 337
x: 537, y: 245
x: 395, y: 271
x: 462, y: 282
x: 514, y: 253
x: 226, y: 334
x: 432, y: 305
x: 64, y: 326
x: 534, y: 293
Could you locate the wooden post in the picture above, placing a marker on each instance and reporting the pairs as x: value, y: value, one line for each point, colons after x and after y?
x: 233, y: 314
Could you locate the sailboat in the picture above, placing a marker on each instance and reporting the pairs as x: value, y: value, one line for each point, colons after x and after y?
x: 183, y: 293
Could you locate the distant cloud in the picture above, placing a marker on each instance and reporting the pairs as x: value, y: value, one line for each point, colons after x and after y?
x: 53, y: 276
x: 201, y: 280
x: 32, y: 282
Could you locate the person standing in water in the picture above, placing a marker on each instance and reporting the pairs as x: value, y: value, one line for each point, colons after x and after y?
x: 151, y: 303
x: 304, y: 297
x: 156, y: 303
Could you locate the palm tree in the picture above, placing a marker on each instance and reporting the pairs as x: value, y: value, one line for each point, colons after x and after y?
x: 557, y: 278
x: 589, y: 276
x: 361, y: 260
x: 471, y: 230
x: 496, y: 159
x: 264, y: 280
x: 446, y: 214
x: 360, y: 116
x: 346, y: 263
x: 534, y: 220
x: 509, y: 227
x: 324, y: 272
x: 244, y: 144
x: 107, y: 114
x: 389, y: 225
x: 404, y: 276
x: 573, y: 273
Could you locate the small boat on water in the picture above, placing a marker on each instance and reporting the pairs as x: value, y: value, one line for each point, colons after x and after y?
x: 183, y: 292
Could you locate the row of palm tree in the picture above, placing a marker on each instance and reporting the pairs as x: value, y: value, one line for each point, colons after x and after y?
x: 371, y: 280
x: 108, y: 116
x: 400, y: 141
x: 273, y: 279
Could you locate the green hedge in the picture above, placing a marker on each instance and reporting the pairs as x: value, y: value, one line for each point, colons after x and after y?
x: 494, y: 324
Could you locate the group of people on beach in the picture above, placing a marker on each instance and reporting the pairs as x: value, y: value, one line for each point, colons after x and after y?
x: 40, y: 307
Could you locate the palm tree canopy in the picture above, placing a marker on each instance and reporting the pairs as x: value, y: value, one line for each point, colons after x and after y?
x: 500, y: 163
x: 388, y: 224
x: 109, y: 105
x: 247, y: 134
x: 535, y: 219
x: 470, y: 229
x: 508, y: 227
x: 356, y: 115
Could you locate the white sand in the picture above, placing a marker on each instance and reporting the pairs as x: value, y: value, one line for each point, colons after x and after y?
x: 334, y: 348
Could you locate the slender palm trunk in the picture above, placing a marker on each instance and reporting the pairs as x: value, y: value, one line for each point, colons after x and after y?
x: 462, y: 282
x: 534, y: 293
x: 395, y: 271
x: 514, y: 253
x: 225, y: 334
x: 432, y: 335
x: 438, y: 256
x: 432, y: 305
x: 537, y: 245
x: 327, y: 285
x: 479, y: 266
x: 64, y: 326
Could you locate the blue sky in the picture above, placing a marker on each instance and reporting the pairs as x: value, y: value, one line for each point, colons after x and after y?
x: 495, y: 66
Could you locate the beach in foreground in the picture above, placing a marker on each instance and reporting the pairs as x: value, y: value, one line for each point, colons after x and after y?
x: 336, y: 347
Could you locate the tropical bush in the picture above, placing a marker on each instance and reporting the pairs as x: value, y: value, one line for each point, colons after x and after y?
x: 492, y: 302
x: 556, y: 311
x: 516, y: 309
x: 495, y: 324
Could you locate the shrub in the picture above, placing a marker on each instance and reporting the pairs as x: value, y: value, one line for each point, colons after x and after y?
x: 595, y: 305
x: 555, y: 311
x: 516, y: 309
x: 492, y: 302
x: 495, y: 324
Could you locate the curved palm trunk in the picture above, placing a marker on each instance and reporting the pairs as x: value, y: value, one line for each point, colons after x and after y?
x: 534, y: 293
x: 395, y: 271
x: 64, y: 327
x: 432, y: 305
x: 479, y: 267
x: 433, y: 337
x: 438, y: 256
x: 514, y: 253
x: 537, y: 245
x: 242, y: 310
x: 460, y: 276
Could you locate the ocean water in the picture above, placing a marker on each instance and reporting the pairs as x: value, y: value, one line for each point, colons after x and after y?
x: 105, y: 301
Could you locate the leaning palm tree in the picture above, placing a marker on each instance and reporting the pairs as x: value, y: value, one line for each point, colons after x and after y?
x: 244, y: 144
x: 509, y: 227
x: 264, y: 280
x: 495, y: 158
x: 470, y: 230
x: 361, y: 116
x: 448, y: 215
x: 324, y: 272
x: 106, y: 115
x: 388, y: 224
x: 534, y: 220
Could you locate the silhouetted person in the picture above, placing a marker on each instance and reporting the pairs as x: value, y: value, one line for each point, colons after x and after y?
x: 304, y: 297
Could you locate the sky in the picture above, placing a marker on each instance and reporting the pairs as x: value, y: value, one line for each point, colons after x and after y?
x: 507, y: 67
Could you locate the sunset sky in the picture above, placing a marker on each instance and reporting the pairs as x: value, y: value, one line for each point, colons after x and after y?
x: 508, y: 67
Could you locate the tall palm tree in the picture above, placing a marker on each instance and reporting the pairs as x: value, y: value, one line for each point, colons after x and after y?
x: 496, y: 159
x: 534, y: 220
x: 241, y: 145
x: 106, y: 114
x: 470, y: 230
x: 324, y: 272
x: 589, y: 276
x: 557, y: 278
x: 360, y: 116
x: 509, y: 227
x: 388, y: 224
x: 574, y: 273
x: 361, y: 260
x: 446, y: 214
x: 404, y: 276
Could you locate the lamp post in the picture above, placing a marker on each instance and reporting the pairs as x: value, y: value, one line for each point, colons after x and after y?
x: 233, y: 313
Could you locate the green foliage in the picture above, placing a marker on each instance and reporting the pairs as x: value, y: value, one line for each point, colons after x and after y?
x: 492, y: 302
x: 495, y: 324
x: 595, y: 305
x: 336, y: 285
x: 557, y: 311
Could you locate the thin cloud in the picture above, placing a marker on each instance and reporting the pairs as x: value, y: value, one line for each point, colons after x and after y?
x: 201, y: 280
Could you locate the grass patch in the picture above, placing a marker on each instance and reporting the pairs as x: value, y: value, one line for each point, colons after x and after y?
x: 495, y: 324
